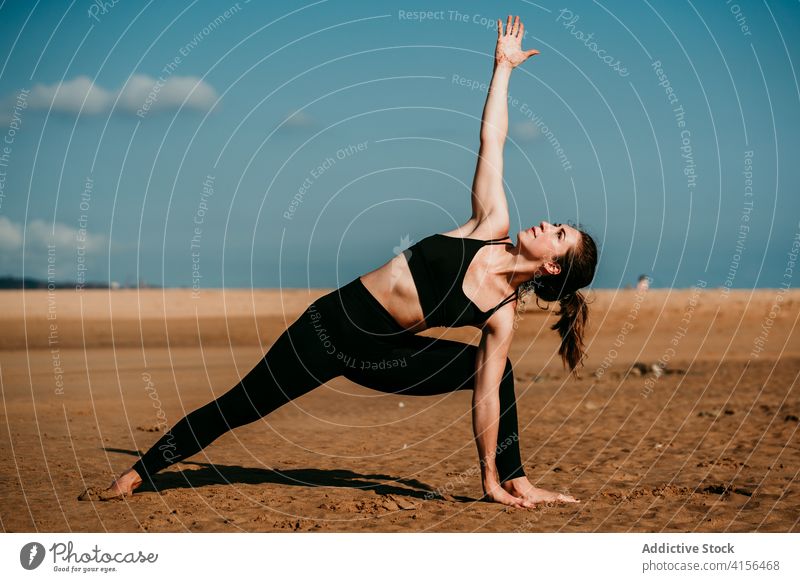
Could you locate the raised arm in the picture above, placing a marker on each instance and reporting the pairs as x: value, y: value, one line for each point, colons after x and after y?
x: 489, y: 367
x: 488, y: 195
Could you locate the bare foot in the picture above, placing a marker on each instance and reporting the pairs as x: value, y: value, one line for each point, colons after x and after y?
x: 122, y: 486
x: 496, y: 494
x: 524, y: 489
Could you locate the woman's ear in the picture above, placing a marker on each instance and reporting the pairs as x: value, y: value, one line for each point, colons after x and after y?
x: 552, y: 268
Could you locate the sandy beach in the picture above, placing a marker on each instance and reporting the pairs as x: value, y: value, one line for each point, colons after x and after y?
x: 707, y: 441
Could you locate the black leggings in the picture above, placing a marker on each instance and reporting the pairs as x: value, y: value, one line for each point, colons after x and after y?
x: 344, y: 333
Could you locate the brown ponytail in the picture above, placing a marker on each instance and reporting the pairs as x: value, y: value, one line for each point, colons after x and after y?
x: 577, y: 271
x: 572, y: 317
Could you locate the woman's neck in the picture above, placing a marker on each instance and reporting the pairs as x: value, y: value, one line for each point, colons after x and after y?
x: 515, y: 268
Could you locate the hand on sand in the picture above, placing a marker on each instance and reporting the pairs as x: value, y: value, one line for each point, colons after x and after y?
x: 122, y: 486
x: 524, y: 489
x: 509, y: 44
x: 497, y: 494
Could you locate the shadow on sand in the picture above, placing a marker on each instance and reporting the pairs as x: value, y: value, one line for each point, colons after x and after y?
x: 214, y: 474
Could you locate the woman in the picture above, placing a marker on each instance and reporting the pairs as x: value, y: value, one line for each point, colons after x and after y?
x: 366, y: 330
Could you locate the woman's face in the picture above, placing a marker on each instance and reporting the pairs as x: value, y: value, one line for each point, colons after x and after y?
x: 546, y: 242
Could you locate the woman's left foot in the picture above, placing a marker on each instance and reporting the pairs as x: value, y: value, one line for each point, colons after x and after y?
x: 523, y: 488
x: 122, y: 486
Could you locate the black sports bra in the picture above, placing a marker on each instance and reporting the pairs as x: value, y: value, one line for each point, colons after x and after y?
x: 438, y: 264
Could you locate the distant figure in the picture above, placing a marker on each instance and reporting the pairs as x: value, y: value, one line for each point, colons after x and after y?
x: 643, y: 284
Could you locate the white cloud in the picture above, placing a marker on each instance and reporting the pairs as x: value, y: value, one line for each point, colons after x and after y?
x: 83, y: 95
x: 40, y: 233
x: 141, y: 90
x: 70, y: 96
x: 36, y: 257
x: 10, y: 234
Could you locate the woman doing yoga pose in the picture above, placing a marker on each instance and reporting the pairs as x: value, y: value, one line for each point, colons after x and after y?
x: 367, y: 329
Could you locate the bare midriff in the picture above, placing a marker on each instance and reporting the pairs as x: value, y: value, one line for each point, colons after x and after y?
x: 393, y: 286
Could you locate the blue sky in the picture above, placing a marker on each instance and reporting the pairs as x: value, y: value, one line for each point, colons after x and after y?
x: 302, y: 144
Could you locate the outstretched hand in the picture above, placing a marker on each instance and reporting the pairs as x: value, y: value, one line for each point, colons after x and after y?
x: 509, y: 44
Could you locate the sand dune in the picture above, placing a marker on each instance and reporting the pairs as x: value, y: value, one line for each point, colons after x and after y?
x: 709, y: 443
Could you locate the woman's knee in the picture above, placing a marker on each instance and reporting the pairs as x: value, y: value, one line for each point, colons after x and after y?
x: 304, y: 353
x: 288, y: 370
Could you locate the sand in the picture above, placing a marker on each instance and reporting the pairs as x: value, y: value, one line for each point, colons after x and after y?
x: 710, y: 444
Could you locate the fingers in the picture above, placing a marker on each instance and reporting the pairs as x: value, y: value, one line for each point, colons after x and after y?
x: 514, y: 27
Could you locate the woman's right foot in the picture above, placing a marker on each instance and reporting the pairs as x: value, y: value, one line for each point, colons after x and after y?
x: 524, y: 489
x: 122, y: 486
